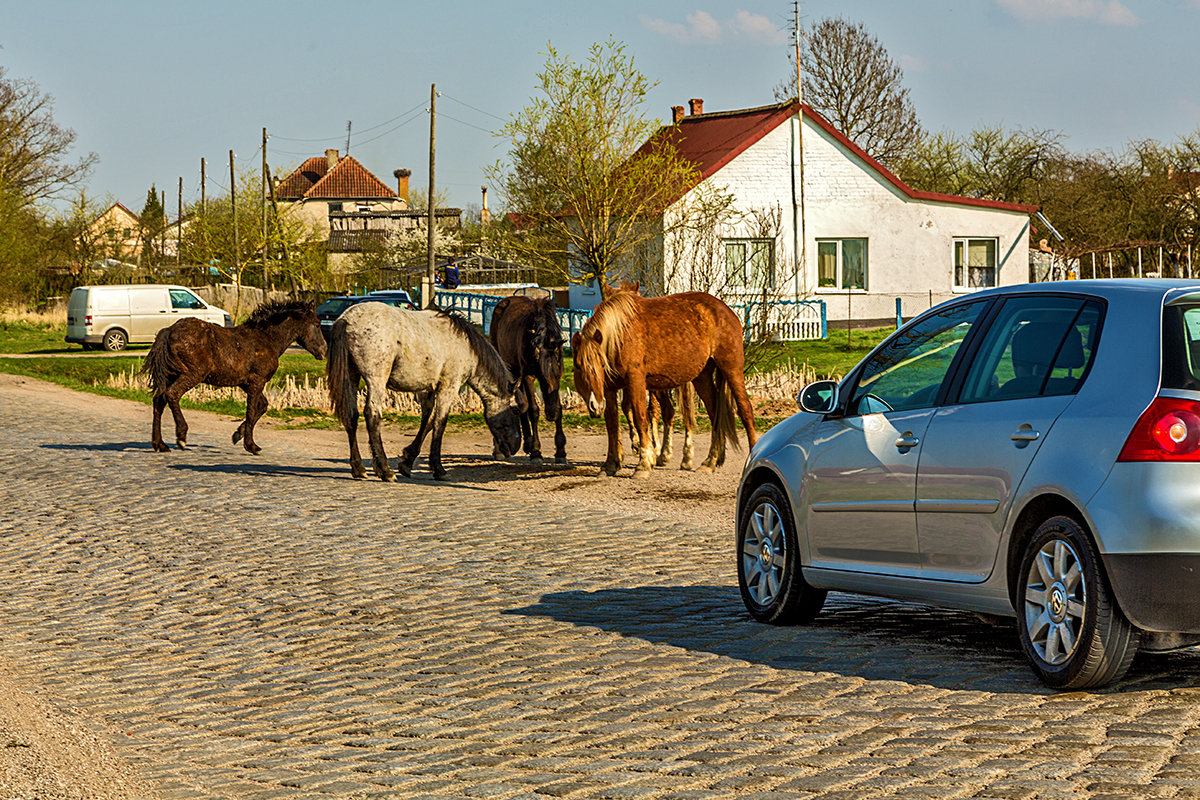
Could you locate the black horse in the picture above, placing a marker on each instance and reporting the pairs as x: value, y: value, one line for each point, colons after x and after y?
x: 526, y: 333
x: 193, y: 351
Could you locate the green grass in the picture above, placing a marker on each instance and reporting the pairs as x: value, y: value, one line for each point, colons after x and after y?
x: 832, y: 357
x: 26, y: 337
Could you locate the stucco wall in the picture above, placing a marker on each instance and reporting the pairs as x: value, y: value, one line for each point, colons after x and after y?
x: 910, y: 242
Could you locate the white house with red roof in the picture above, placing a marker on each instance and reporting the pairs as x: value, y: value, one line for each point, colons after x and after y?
x: 836, y: 225
x: 338, y: 184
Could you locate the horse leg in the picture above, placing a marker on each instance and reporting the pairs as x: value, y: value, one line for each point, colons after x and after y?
x: 529, y: 423
x: 560, y: 438
x: 627, y: 410
x: 357, y: 470
x: 668, y: 428
x: 373, y: 414
x: 160, y: 403
x: 612, y: 424
x: 688, y: 405
x: 409, y: 456
x: 639, y: 397
x: 256, y: 406
x: 174, y: 392
x: 441, y: 412
x: 707, y: 392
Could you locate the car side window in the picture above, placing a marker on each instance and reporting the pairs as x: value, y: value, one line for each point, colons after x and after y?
x: 908, y: 371
x: 1035, y: 347
x: 181, y: 298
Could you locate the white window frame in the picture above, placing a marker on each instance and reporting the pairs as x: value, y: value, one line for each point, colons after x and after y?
x: 745, y: 274
x: 965, y: 242
x: 839, y: 263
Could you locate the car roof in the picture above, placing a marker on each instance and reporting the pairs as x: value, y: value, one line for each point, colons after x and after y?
x: 1110, y: 288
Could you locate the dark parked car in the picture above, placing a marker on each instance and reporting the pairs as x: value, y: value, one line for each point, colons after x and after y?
x: 331, y: 309
x: 1030, y: 451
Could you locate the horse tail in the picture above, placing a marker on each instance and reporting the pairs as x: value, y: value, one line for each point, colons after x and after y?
x: 725, y: 416
x: 160, y: 363
x: 341, y: 376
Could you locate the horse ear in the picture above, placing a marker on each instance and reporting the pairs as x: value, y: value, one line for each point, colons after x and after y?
x: 597, y: 336
x: 576, y: 339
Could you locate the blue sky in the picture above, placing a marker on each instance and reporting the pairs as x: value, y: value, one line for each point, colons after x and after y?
x: 152, y: 87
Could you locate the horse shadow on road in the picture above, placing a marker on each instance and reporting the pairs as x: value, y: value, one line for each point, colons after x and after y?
x: 854, y: 636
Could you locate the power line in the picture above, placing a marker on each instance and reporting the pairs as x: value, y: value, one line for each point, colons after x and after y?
x: 461, y: 122
x: 473, y: 108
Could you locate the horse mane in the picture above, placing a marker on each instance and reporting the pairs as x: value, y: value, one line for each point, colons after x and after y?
x: 487, y: 356
x: 611, y: 318
x: 273, y: 312
x: 545, y: 323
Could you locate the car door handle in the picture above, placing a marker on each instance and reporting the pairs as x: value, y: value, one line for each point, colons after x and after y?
x: 1025, y: 434
x: 907, y: 442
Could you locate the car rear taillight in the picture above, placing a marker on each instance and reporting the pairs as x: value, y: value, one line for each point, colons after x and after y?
x: 1169, y: 430
x: 87, y: 320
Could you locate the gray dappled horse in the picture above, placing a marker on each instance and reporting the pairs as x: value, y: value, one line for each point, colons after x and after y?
x: 429, y: 353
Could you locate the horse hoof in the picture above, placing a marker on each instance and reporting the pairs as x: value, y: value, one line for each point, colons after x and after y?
x: 159, y: 447
x: 237, y: 436
x: 441, y: 476
x: 560, y: 459
x: 388, y: 477
x: 641, y: 473
x: 535, y: 459
x: 358, y: 477
x: 706, y: 468
x: 405, y: 469
x: 181, y: 444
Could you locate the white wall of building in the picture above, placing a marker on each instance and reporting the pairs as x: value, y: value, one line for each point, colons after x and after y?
x: 909, y: 241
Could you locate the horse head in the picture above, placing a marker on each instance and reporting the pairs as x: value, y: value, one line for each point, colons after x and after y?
x: 544, y: 340
x: 503, y: 417
x: 589, y: 371
x: 311, y: 338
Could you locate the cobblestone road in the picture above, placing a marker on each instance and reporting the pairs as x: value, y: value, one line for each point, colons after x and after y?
x: 268, y: 628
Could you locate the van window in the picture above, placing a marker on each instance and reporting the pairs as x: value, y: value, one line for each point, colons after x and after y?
x: 182, y: 298
x: 1181, y: 347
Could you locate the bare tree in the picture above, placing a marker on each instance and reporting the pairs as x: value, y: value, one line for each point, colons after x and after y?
x: 34, y: 163
x: 850, y: 79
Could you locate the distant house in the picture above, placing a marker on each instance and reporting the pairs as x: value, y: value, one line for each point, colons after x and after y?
x: 114, y: 234
x: 349, y: 207
x: 839, y: 227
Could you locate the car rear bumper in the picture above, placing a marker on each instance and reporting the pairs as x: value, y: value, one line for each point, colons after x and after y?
x: 1157, y: 591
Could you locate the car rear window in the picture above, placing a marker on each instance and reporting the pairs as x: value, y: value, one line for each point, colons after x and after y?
x: 1181, y: 347
x: 334, y: 306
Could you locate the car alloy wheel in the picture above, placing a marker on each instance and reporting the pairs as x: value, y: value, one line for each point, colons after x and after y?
x: 769, y: 574
x: 1071, y: 629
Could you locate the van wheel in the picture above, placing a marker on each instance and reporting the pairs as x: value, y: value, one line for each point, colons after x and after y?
x: 1071, y: 629
x: 115, y: 340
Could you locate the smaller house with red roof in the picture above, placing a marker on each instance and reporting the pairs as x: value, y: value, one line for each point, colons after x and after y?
x: 835, y: 225
x: 322, y: 186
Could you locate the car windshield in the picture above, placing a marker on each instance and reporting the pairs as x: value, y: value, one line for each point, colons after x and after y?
x: 1181, y: 347
x: 335, y: 305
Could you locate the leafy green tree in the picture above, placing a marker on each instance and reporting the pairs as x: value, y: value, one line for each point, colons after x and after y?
x: 585, y: 199
x: 850, y: 79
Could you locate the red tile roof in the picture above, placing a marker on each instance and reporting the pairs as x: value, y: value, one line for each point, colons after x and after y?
x: 710, y: 141
x: 348, y: 180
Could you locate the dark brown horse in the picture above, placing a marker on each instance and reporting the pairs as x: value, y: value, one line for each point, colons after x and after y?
x: 526, y: 333
x: 642, y: 344
x: 193, y: 351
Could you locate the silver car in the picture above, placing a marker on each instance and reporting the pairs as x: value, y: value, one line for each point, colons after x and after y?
x: 1028, y: 451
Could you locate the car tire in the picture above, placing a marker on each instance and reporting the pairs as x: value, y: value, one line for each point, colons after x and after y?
x: 1071, y: 629
x: 768, y: 552
x: 115, y: 340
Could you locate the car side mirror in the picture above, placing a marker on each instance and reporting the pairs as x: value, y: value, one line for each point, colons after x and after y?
x: 819, y: 398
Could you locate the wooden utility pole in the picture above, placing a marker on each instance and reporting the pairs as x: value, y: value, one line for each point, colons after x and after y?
x: 798, y: 213
x: 428, y: 283
x: 263, y: 199
x: 233, y: 207
x: 179, y: 226
x: 203, y: 187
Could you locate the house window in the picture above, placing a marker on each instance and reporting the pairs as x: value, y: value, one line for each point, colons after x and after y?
x: 974, y: 263
x: 842, y: 264
x: 750, y: 263
x: 364, y: 208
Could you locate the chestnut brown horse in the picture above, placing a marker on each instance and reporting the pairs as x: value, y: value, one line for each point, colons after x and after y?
x: 639, y: 344
x: 193, y: 351
x: 526, y: 333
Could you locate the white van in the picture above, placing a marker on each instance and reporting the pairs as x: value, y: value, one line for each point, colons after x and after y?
x: 114, y: 316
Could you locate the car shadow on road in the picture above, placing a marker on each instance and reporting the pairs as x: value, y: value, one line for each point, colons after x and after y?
x: 854, y: 636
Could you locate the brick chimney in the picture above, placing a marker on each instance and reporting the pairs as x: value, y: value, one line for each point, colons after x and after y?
x: 676, y: 114
x: 697, y: 105
x: 485, y: 216
x: 401, y: 176
x: 331, y: 158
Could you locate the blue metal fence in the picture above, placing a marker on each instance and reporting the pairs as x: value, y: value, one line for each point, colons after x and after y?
x: 478, y: 308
